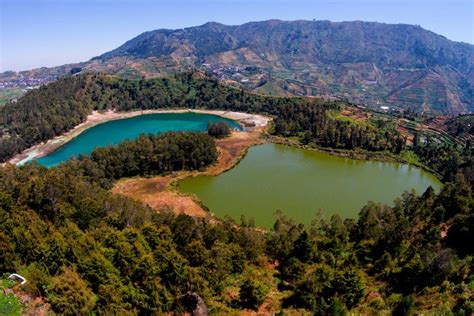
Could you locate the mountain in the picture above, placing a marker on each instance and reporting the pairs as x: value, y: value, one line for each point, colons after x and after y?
x: 399, y: 66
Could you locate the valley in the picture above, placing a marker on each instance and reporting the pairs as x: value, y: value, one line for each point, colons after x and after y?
x: 274, y: 167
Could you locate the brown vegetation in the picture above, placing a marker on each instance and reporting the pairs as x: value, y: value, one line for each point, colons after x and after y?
x: 356, y: 113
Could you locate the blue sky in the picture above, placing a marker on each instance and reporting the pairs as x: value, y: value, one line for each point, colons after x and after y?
x: 35, y: 33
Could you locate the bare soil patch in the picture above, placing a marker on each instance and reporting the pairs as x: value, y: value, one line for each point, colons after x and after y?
x: 155, y: 193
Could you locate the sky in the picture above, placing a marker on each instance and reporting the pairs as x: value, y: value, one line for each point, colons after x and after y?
x: 45, y: 33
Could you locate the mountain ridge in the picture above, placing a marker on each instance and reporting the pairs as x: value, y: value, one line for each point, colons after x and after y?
x: 376, y: 64
x: 212, y: 26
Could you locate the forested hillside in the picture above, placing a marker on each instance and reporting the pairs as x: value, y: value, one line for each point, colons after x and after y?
x: 70, y: 237
x: 42, y: 114
x: 56, y: 108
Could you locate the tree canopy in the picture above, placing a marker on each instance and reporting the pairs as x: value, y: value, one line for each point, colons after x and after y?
x: 66, y: 233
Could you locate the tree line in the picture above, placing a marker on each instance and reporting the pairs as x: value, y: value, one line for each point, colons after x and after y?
x: 71, y: 237
x: 42, y: 114
x: 147, y: 155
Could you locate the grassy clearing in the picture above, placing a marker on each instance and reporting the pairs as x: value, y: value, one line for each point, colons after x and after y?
x: 410, y: 157
x: 336, y: 115
x: 9, y: 303
x: 8, y: 94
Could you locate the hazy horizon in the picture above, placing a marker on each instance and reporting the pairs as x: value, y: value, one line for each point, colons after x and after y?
x: 48, y: 33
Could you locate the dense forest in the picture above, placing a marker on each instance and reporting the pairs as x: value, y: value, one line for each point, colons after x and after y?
x: 446, y: 159
x: 70, y: 237
x: 57, y: 107
x: 42, y: 114
x: 148, y: 155
x: 314, y: 124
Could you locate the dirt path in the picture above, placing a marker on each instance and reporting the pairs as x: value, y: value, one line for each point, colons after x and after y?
x: 158, y: 193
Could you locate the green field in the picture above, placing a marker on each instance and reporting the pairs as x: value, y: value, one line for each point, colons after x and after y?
x: 8, y: 94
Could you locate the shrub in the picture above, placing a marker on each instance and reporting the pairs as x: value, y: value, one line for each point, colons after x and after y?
x: 252, y: 294
x: 218, y: 130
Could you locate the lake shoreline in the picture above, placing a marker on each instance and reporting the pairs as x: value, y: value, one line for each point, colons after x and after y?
x: 362, y: 155
x: 96, y: 118
x: 162, y: 192
x: 288, y: 180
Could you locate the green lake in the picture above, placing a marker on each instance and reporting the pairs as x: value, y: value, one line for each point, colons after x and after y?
x: 300, y: 182
x: 115, y: 132
x: 271, y: 177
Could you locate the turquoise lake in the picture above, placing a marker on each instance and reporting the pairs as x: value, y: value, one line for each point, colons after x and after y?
x: 270, y: 177
x: 115, y: 132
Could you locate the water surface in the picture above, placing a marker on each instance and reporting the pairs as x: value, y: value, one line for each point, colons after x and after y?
x: 300, y: 182
x: 115, y: 132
